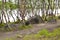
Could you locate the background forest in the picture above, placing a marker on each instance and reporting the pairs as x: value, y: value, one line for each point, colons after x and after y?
x: 30, y: 19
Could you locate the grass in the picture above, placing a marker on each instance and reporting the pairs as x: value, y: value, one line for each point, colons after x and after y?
x: 41, y: 35
x: 44, y: 35
x: 21, y: 27
x: 6, y: 29
x: 9, y: 39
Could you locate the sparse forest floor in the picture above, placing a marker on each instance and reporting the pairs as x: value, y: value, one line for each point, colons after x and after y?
x: 20, y: 35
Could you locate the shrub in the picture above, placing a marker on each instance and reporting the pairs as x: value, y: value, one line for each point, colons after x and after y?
x: 36, y: 20
x: 51, y: 19
x: 27, y: 23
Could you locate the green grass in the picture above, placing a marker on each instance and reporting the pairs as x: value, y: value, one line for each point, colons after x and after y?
x: 41, y: 35
x: 21, y: 27
x: 44, y: 35
x: 9, y: 38
x: 2, y: 25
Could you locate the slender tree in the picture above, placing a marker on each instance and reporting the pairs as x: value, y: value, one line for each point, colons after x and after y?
x: 22, y: 10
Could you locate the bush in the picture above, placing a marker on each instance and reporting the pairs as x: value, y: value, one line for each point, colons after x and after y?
x: 51, y: 19
x: 27, y: 23
x: 36, y: 20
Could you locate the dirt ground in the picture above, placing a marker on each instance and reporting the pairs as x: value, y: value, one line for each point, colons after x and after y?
x: 34, y: 30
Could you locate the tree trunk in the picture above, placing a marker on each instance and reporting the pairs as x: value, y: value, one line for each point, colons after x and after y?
x: 22, y: 10
x: 12, y: 15
x: 3, y: 10
x: 7, y: 13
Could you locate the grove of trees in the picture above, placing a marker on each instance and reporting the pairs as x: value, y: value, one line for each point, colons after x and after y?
x: 42, y: 8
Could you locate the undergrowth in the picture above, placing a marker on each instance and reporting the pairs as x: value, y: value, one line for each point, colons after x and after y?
x: 44, y: 35
x: 41, y: 35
